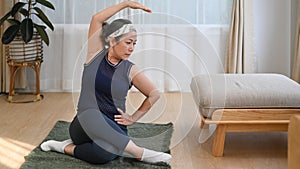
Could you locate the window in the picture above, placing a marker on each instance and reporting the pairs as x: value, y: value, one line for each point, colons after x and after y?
x: 76, y: 11
x: 214, y: 12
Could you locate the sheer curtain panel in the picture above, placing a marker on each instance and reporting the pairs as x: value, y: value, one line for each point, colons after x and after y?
x: 173, y: 44
x: 296, y: 65
x: 240, y: 56
x: 5, y: 6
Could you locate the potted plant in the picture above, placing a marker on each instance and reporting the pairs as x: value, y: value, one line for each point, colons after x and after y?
x: 25, y: 24
x: 24, y: 39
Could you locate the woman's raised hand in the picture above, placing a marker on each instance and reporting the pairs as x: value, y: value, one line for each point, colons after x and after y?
x: 136, y: 5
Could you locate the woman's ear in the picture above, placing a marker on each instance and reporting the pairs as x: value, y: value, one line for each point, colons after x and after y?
x: 112, y: 41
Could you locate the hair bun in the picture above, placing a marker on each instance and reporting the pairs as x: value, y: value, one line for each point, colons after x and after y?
x: 105, y: 25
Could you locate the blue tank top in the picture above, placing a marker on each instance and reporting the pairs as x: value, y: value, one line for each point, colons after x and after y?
x: 104, y: 86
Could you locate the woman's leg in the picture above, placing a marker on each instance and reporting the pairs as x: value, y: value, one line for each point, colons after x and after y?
x: 85, y: 148
x: 107, y: 141
x: 139, y: 153
x: 58, y: 146
x: 147, y: 155
x: 102, y: 131
x: 69, y: 149
x: 115, y: 140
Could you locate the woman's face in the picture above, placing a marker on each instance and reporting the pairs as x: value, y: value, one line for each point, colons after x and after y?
x: 125, y: 46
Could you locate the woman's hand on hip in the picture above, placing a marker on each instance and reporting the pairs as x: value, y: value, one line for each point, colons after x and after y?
x: 124, y: 118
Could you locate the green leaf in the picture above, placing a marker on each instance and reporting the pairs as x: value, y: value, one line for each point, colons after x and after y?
x: 13, y: 21
x: 4, y: 18
x: 10, y: 33
x: 41, y: 30
x: 43, y: 17
x: 46, y: 3
x: 26, y: 30
x: 17, y: 7
x: 42, y: 26
x: 24, y: 12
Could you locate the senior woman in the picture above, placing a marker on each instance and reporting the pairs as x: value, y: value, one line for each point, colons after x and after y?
x: 99, y: 129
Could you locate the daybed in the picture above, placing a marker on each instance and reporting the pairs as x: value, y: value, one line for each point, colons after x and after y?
x: 294, y: 142
x: 245, y: 103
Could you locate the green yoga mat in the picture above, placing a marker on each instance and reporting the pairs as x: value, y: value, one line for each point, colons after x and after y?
x: 157, y: 138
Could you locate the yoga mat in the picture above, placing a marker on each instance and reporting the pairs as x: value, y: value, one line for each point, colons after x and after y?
x: 157, y: 137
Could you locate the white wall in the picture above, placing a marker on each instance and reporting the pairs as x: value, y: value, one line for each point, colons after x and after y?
x: 272, y: 25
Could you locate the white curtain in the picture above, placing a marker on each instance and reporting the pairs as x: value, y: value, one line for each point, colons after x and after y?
x: 170, y: 49
x: 20, y: 78
x: 5, y: 6
x: 296, y: 63
x: 240, y: 56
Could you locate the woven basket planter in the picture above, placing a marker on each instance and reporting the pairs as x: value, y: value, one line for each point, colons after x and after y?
x: 18, y: 55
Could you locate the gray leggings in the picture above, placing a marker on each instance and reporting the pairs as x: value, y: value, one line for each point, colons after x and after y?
x: 98, y: 139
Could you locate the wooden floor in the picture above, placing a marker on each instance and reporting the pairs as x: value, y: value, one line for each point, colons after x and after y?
x: 24, y: 126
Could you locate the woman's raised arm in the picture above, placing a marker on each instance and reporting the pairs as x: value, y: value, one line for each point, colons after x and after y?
x: 94, y: 41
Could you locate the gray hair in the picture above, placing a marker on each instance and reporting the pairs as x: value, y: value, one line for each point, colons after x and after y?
x: 108, y: 29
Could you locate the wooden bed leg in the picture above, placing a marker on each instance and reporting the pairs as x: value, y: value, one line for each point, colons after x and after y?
x: 202, y: 123
x: 219, y: 140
